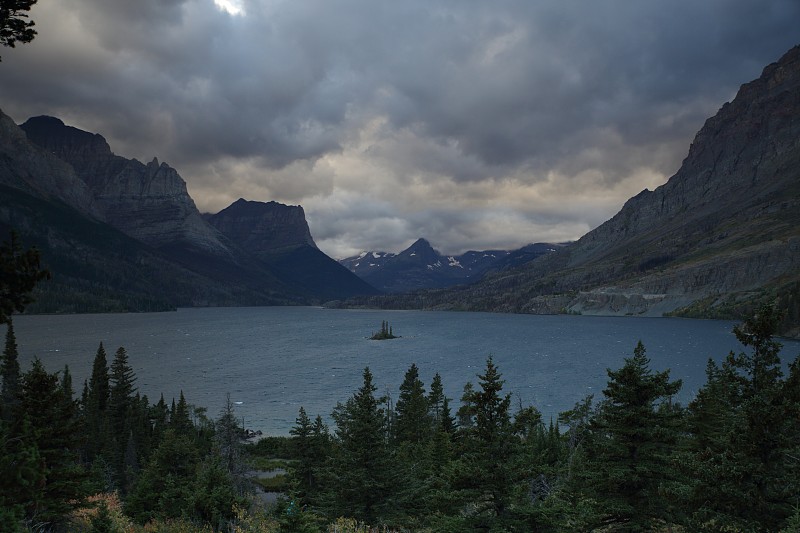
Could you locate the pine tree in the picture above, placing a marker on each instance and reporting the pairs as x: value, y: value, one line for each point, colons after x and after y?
x: 165, y: 487
x: 303, y: 474
x: 95, y: 407
x: 633, y: 435
x: 466, y: 412
x: 363, y: 467
x: 22, y: 475
x: 19, y: 273
x: 180, y: 420
x: 743, y: 427
x: 46, y: 416
x: 228, y: 438
x: 160, y: 417
x: 412, y: 424
x: 9, y: 372
x: 436, y: 398
x: 120, y: 403
x: 493, y: 441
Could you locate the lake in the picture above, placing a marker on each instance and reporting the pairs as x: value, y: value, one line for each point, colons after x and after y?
x: 272, y: 360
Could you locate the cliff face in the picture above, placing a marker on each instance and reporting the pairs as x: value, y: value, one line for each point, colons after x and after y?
x: 145, y: 246
x: 727, y: 222
x: 742, y: 162
x: 261, y: 227
x: 34, y: 170
x: 148, y: 202
x: 721, y: 235
x: 278, y: 236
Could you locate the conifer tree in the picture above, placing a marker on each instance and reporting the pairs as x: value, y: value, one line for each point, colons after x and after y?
x: 304, y: 473
x: 466, y: 412
x: 22, y: 475
x: 160, y: 416
x: 121, y: 398
x: 632, y: 439
x: 743, y: 424
x: 412, y: 424
x: 228, y: 438
x: 363, y: 467
x: 53, y: 427
x: 165, y: 488
x: 95, y: 407
x: 9, y: 372
x: 19, y: 273
x: 493, y: 443
x: 180, y: 420
x: 436, y: 398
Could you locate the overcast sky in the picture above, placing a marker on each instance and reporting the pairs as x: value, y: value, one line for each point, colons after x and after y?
x: 475, y: 124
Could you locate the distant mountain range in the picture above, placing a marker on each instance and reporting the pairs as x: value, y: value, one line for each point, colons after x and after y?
x: 121, y: 235
x: 720, y: 237
x: 421, y: 267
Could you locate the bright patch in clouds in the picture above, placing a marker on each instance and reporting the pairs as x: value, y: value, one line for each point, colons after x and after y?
x: 233, y: 7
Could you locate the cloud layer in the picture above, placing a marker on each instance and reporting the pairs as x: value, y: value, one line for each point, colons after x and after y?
x: 474, y: 124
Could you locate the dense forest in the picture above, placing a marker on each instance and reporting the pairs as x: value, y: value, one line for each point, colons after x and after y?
x: 107, y: 459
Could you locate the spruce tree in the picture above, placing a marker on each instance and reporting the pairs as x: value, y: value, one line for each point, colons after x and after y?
x: 632, y: 438
x: 435, y: 398
x: 362, y: 467
x: 412, y: 424
x: 121, y: 398
x: 743, y: 427
x: 9, y: 372
x: 181, y: 421
x: 19, y: 274
x: 228, y: 438
x: 46, y: 415
x: 303, y: 474
x: 165, y: 488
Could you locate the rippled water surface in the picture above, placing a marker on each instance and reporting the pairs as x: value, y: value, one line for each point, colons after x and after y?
x: 272, y: 360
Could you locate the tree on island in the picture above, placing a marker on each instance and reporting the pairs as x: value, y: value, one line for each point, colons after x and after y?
x: 385, y: 332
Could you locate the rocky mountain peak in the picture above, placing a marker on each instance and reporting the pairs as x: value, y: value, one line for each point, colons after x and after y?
x: 737, y: 159
x: 148, y: 202
x: 36, y: 170
x: 263, y: 226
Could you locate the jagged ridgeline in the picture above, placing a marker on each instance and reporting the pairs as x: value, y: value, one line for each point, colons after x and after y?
x: 718, y: 239
x: 118, y: 234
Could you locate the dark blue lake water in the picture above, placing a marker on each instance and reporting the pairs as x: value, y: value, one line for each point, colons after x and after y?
x: 272, y: 360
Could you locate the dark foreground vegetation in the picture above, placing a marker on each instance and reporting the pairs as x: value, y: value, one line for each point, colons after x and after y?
x: 631, y: 460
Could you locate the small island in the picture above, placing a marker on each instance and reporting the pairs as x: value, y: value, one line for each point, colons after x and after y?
x: 385, y: 333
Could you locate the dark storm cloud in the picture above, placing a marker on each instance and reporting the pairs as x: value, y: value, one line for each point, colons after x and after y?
x: 461, y: 120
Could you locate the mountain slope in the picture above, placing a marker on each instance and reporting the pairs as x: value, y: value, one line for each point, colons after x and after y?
x: 722, y: 234
x: 87, y: 198
x: 278, y: 236
x: 149, y: 202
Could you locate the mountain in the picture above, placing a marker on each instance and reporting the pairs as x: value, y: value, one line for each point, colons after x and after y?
x: 721, y: 236
x: 149, y: 202
x: 420, y: 266
x: 278, y: 236
x: 122, y: 235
